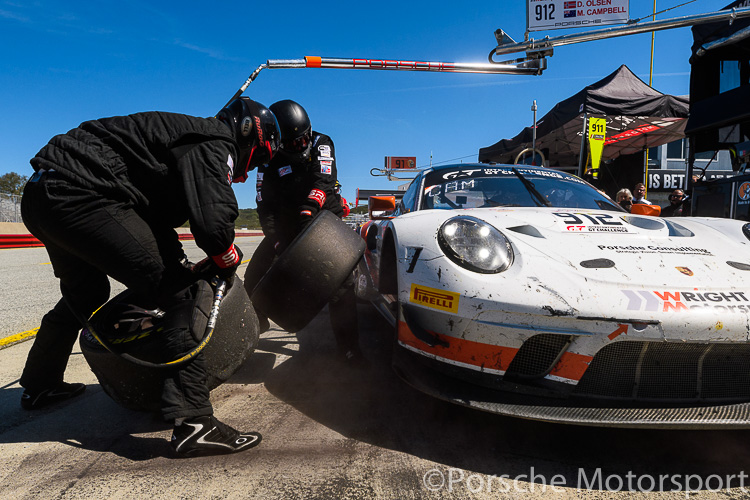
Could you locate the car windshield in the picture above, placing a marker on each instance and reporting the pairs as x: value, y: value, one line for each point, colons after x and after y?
x: 482, y: 187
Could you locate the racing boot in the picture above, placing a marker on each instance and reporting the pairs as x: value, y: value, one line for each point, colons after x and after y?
x: 33, y: 400
x: 352, y: 357
x: 206, y: 435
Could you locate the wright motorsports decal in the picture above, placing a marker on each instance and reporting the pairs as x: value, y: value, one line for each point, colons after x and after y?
x: 673, y: 301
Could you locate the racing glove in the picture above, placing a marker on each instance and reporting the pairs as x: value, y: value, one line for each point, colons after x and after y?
x: 307, y: 211
x: 345, y: 206
x: 279, y: 248
x: 223, y: 265
x: 185, y: 262
x: 306, y: 215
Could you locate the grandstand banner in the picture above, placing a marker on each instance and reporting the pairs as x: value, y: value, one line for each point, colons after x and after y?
x: 671, y: 179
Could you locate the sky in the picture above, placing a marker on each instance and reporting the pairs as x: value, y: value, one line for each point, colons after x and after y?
x: 65, y: 62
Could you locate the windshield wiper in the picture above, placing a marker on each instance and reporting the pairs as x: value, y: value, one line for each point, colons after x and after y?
x: 541, y: 200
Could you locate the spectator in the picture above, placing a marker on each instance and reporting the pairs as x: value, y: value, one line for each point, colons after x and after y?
x: 624, y: 198
x: 639, y: 194
x: 678, y: 205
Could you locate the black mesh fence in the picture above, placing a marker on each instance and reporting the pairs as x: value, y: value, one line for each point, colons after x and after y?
x: 10, y: 207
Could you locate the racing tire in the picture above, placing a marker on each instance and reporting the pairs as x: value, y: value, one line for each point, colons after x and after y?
x: 136, y: 387
x: 308, y: 273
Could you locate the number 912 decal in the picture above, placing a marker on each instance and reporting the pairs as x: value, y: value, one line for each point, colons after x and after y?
x: 591, y: 223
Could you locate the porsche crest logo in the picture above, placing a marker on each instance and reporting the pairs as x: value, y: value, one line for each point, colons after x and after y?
x: 684, y: 270
x: 441, y: 300
x: 744, y: 191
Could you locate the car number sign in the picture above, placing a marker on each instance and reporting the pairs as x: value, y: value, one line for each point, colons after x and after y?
x: 590, y: 223
x: 558, y: 14
x: 597, y: 134
x: 400, y: 162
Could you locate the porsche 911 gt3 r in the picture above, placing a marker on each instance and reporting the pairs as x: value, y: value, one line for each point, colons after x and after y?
x: 525, y: 291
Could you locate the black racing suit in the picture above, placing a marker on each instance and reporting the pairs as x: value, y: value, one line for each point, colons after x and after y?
x: 290, y: 192
x: 104, y: 200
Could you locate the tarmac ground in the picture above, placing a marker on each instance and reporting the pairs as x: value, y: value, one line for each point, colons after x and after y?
x: 330, y: 430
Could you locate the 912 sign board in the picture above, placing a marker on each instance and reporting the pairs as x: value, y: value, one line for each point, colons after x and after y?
x: 559, y: 14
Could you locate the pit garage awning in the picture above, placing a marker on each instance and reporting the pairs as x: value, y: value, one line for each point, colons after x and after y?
x: 720, y: 84
x: 637, y: 116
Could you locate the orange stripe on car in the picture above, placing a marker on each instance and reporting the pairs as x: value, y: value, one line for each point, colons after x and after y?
x: 571, y: 366
x: 461, y: 350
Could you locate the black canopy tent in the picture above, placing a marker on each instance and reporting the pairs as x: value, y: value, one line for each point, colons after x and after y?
x: 637, y: 116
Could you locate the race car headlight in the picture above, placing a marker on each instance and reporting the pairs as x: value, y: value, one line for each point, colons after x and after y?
x: 746, y: 230
x: 475, y: 245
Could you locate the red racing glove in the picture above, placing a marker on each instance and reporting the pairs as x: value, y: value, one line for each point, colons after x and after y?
x: 307, y: 212
x: 305, y: 217
x: 345, y: 206
x: 223, y: 265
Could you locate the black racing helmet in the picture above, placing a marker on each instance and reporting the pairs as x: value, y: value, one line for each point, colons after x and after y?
x: 296, y: 131
x: 256, y: 131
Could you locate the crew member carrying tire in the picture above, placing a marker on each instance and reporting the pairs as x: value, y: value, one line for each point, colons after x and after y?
x: 344, y: 203
x: 297, y: 184
x: 105, y: 199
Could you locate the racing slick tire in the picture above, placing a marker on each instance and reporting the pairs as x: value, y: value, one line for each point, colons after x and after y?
x: 137, y: 387
x: 304, y: 278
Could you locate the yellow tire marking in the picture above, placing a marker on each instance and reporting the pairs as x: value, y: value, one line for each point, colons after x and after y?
x: 14, y: 339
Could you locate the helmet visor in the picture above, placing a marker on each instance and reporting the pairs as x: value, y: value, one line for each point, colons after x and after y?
x: 298, y: 144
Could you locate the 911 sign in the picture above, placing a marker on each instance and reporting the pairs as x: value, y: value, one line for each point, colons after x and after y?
x: 400, y: 162
x: 557, y: 14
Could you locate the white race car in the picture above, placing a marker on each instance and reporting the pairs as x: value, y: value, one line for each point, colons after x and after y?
x: 524, y: 291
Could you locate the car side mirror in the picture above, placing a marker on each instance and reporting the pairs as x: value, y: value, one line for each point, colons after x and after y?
x: 642, y: 209
x: 380, y: 207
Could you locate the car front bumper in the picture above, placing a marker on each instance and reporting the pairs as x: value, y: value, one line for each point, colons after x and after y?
x: 551, y: 401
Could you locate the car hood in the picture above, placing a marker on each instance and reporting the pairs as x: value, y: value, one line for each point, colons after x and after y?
x: 601, y: 262
x: 645, y: 251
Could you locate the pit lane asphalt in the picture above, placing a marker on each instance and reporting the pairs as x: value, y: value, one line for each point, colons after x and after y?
x: 330, y: 430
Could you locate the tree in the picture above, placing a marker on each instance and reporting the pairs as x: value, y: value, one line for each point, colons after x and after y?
x: 12, y: 183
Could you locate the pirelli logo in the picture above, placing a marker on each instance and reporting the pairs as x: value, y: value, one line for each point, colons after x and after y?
x: 434, y: 298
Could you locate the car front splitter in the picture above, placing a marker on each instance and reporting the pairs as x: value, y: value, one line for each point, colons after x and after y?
x: 437, y: 384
